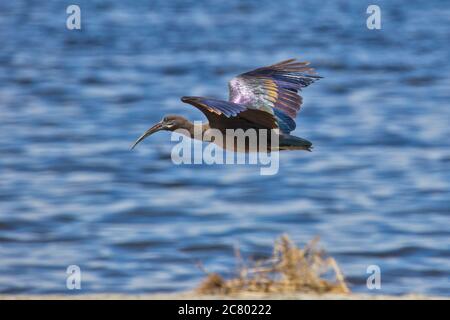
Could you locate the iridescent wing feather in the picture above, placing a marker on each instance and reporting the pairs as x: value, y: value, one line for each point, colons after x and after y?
x: 274, y: 89
x: 224, y: 115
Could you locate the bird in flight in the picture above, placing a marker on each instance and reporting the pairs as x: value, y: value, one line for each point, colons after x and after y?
x: 264, y: 98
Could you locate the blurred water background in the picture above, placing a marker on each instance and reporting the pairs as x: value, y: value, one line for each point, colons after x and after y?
x: 376, y: 188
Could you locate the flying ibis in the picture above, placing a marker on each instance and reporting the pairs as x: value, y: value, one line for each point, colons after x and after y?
x: 264, y: 98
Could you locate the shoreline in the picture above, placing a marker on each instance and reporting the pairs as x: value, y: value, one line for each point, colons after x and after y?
x: 195, y: 296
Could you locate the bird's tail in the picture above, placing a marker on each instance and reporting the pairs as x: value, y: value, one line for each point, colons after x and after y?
x: 288, y: 142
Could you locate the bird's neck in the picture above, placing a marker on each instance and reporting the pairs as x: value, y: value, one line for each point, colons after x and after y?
x: 196, y: 131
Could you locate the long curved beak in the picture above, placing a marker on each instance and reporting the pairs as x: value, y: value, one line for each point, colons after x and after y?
x: 157, y: 127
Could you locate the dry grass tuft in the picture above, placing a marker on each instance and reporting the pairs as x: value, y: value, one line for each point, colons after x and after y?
x: 290, y: 269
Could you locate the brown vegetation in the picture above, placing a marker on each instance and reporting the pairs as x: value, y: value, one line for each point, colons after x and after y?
x: 289, y: 269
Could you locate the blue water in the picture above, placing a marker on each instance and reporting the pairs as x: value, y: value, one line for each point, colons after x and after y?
x: 376, y: 188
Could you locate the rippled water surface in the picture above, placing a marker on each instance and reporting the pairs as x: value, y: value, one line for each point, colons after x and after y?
x: 376, y: 188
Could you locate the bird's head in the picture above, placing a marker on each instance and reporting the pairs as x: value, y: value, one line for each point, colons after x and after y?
x: 168, y: 123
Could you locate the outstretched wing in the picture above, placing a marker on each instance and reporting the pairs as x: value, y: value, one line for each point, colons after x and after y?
x: 274, y: 89
x: 224, y: 115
